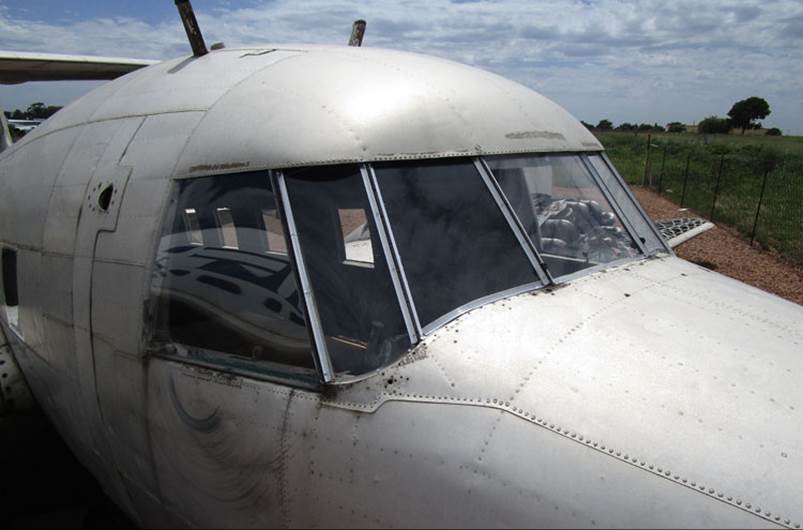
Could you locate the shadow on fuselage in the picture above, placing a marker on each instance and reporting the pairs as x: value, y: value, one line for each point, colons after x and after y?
x: 44, y: 485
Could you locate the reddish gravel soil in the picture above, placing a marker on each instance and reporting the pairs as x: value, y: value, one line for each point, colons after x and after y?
x: 722, y: 249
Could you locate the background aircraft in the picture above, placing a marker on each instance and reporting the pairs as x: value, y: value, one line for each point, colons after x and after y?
x: 296, y: 285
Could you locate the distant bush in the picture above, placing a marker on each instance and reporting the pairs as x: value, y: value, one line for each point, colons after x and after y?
x: 675, y: 127
x: 714, y: 125
x: 605, y: 125
x: 626, y: 127
x: 774, y: 132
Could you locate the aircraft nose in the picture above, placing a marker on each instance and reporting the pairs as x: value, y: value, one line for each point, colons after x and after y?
x: 659, y: 390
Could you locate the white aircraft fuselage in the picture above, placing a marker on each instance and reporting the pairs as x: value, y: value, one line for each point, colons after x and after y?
x: 607, y: 385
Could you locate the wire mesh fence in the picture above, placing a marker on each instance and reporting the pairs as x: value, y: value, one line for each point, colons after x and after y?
x: 753, y: 187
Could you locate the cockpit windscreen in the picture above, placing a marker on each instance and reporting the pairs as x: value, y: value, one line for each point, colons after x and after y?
x: 564, y: 211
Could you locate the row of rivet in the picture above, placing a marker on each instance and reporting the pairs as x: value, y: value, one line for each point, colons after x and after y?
x: 505, y: 405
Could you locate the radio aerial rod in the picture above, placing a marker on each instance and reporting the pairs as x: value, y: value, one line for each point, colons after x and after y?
x: 191, y: 26
x: 357, y: 33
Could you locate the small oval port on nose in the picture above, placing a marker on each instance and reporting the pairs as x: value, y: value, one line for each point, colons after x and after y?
x: 105, y: 197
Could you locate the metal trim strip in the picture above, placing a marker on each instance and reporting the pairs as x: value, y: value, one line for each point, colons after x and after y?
x: 390, y: 258
x: 513, y: 220
x: 632, y: 196
x: 606, y: 192
x: 479, y: 302
x: 392, y: 240
x: 324, y: 360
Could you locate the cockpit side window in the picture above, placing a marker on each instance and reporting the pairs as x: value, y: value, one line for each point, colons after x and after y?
x: 10, y: 293
x: 224, y: 291
x: 642, y: 226
x: 564, y: 211
x: 359, y: 309
x: 453, y: 240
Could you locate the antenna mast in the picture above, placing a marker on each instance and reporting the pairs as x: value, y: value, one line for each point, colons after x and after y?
x: 191, y: 27
x: 357, y: 33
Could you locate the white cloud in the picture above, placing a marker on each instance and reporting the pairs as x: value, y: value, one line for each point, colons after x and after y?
x: 642, y: 61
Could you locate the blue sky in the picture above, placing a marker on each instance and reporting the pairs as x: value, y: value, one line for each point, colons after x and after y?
x: 625, y: 60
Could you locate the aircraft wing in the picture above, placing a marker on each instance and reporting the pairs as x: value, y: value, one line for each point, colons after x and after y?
x: 677, y: 231
x: 18, y: 67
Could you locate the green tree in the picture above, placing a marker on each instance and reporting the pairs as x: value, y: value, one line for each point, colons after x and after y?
x: 626, y: 126
x: 605, y: 125
x: 675, y: 127
x: 745, y: 112
x: 50, y: 110
x: 36, y: 111
x: 714, y: 125
x: 775, y: 131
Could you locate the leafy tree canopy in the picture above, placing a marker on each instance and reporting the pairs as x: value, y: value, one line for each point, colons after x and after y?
x: 714, y: 125
x: 745, y: 112
x: 675, y: 127
x: 605, y: 125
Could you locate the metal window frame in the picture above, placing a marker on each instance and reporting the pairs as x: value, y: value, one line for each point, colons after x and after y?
x: 479, y: 302
x: 15, y: 327
x: 544, y: 278
x: 173, y: 352
x: 314, y: 319
x: 390, y: 256
x: 606, y: 192
x: 632, y: 196
x: 395, y: 250
x: 524, y: 239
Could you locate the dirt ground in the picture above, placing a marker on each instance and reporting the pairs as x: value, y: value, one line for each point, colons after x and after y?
x: 722, y: 249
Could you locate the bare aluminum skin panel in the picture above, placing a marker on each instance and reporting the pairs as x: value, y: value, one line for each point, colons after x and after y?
x: 306, y: 105
x: 661, y: 366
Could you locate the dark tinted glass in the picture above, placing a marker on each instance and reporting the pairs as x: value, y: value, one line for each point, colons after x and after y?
x: 454, y: 242
x: 223, y: 279
x: 354, y: 294
x: 10, y: 277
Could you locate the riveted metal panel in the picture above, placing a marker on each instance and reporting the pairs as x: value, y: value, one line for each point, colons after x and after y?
x: 219, y: 445
x: 30, y: 287
x: 14, y: 392
x: 155, y: 149
x: 118, y: 292
x: 333, y: 105
x: 29, y: 173
x: 185, y: 84
x: 686, y: 391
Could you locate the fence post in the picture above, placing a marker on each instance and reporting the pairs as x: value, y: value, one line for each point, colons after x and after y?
x: 685, y: 179
x: 758, y: 209
x: 647, y: 162
x: 716, y: 188
x: 663, y: 165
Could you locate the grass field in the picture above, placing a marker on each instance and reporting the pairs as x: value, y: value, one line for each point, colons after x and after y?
x: 722, y: 176
x: 783, y: 145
